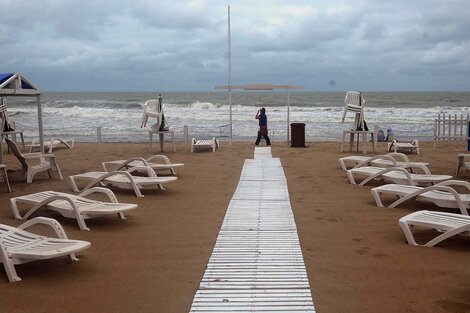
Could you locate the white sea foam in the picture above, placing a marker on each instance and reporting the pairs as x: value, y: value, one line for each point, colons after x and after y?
x: 119, y: 114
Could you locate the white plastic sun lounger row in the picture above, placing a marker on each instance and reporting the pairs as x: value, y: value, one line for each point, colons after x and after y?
x: 51, y: 144
x: 71, y: 206
x: 164, y: 164
x: 440, y: 194
x: 398, y: 175
x: 19, y: 246
x: 387, y: 160
x: 204, y: 144
x: 121, y: 179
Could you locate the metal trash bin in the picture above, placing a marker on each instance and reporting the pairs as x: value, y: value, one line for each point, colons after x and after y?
x: 297, y: 135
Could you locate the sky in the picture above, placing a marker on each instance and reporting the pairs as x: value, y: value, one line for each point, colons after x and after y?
x: 153, y: 45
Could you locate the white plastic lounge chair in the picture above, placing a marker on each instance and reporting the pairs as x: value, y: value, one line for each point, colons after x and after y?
x: 204, y: 144
x: 121, y: 179
x: 51, y: 144
x: 397, y: 175
x: 461, y: 162
x: 411, y: 147
x: 33, y: 163
x: 448, y: 224
x: 3, y: 167
x: 440, y: 194
x: 387, y: 160
x: 18, y: 246
x: 71, y: 206
x: 163, y: 165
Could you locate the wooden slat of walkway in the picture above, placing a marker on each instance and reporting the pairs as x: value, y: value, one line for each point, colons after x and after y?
x: 257, y: 263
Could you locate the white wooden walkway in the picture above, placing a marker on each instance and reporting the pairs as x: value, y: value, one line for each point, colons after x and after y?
x: 257, y: 263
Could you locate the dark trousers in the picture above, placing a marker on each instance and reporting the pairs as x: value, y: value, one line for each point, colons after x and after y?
x: 265, y: 136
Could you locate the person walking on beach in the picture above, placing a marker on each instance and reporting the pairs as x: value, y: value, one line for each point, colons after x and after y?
x: 263, y: 126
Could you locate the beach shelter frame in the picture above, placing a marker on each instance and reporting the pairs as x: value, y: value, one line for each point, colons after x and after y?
x: 16, y: 85
x: 260, y: 87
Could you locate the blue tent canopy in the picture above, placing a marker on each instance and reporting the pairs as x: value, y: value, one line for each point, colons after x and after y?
x: 16, y: 84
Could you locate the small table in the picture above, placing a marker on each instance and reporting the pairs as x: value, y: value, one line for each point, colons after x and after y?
x: 359, y: 133
x: 161, y: 135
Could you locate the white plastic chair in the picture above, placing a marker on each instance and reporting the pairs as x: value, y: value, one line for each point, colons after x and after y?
x: 204, y: 144
x: 71, y: 206
x: 18, y: 246
x: 51, y: 144
x: 121, y: 179
x: 151, y: 162
x: 354, y: 102
x: 447, y: 224
x: 396, y: 146
x: 33, y: 163
x: 441, y: 194
x: 151, y: 110
x: 397, y: 175
x: 391, y: 159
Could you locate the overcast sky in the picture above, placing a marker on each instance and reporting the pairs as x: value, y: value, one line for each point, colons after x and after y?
x: 149, y: 45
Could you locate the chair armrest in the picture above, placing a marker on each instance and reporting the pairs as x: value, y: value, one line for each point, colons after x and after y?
x: 55, y: 225
x: 463, y: 156
x: 454, y: 182
x: 164, y: 158
x: 106, y: 191
x: 37, y: 155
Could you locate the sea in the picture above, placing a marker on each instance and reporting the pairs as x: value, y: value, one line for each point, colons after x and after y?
x: 118, y: 115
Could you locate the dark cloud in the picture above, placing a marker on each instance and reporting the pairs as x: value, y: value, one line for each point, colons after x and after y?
x: 182, y: 45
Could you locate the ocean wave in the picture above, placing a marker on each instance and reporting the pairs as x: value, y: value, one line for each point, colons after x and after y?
x: 98, y: 104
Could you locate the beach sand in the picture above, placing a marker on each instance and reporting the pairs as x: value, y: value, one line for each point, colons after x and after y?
x: 355, y: 253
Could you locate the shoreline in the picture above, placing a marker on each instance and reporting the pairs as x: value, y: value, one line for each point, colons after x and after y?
x: 355, y: 253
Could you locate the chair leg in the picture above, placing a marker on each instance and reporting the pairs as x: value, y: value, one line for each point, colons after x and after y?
x: 8, y: 265
x: 459, y: 165
x: 6, y: 179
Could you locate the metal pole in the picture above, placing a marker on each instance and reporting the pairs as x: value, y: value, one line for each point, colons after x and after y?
x: 288, y: 117
x: 41, y: 133
x: 230, y: 76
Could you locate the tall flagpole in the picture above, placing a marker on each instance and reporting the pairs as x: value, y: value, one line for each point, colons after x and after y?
x: 230, y: 76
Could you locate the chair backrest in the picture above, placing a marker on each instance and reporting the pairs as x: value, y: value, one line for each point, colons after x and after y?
x: 151, y: 106
x: 354, y: 102
x: 16, y: 152
x: 353, y: 98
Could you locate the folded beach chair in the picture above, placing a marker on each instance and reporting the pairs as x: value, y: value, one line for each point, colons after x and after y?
x: 71, y: 206
x: 397, y: 175
x: 440, y: 194
x: 410, y: 147
x: 33, y: 163
x: 163, y: 165
x: 18, y: 246
x: 121, y: 179
x: 387, y: 160
x: 461, y: 162
x: 51, y: 144
x: 447, y: 224
x: 204, y: 144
